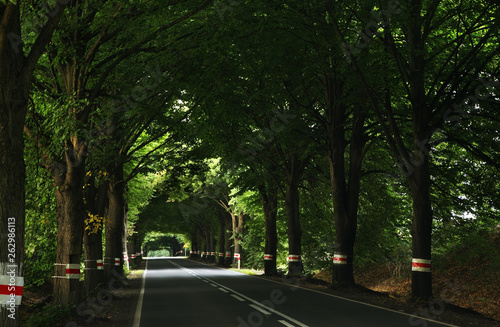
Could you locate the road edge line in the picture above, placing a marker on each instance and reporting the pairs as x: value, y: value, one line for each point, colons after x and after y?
x: 335, y: 296
x: 138, y: 310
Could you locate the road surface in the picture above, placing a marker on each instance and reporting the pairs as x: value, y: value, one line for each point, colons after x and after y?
x: 180, y: 292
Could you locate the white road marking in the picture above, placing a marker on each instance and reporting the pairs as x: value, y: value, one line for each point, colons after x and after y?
x: 287, y: 324
x: 223, y: 290
x: 350, y: 300
x: 138, y: 310
x: 241, y: 297
x: 238, y: 298
x: 256, y: 307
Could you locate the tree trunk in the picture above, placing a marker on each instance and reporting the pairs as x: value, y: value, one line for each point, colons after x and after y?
x: 238, y: 222
x: 115, y: 222
x: 12, y: 198
x: 206, y: 247
x: 68, y: 182
x: 421, y: 279
x: 419, y: 181
x: 95, y: 201
x: 14, y: 83
x: 213, y: 243
x: 94, y: 274
x: 270, y: 206
x: 194, y: 245
x: 228, y: 256
x: 345, y: 192
x: 294, y: 172
x: 222, y: 236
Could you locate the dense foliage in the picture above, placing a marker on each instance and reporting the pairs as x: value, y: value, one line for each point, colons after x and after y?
x: 192, y: 113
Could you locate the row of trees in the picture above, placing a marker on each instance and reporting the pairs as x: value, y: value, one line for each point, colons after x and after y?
x: 83, y: 82
x: 294, y: 103
x: 369, y: 89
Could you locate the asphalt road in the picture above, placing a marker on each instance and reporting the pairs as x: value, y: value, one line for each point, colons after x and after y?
x: 180, y: 292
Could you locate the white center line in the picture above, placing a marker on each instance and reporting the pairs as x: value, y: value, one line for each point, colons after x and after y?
x: 241, y: 297
x: 238, y: 298
x: 256, y: 307
x: 286, y: 323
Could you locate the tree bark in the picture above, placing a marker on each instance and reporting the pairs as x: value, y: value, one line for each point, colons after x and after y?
x: 95, y: 201
x: 238, y: 222
x: 228, y: 256
x: 194, y: 245
x: 419, y: 179
x: 345, y: 191
x: 12, y: 193
x: 270, y: 206
x: 68, y: 183
x: 294, y: 172
x: 421, y: 278
x: 115, y: 222
x: 221, y: 213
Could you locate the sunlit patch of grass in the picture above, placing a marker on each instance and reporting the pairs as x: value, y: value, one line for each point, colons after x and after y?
x: 250, y: 272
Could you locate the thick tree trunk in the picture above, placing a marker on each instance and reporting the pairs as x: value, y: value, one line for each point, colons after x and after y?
x: 270, y: 206
x: 16, y: 72
x: 419, y: 180
x: 70, y: 209
x: 12, y: 200
x: 95, y: 199
x: 421, y: 279
x: 294, y: 172
x: 115, y: 222
x: 345, y: 226
x: 94, y: 274
x: 14, y: 86
x: 345, y: 192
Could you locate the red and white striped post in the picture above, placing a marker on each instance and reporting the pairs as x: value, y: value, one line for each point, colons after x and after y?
x: 100, y: 264
x: 11, y: 285
x: 73, y: 271
x: 294, y: 258
x: 268, y: 256
x: 117, y: 261
x: 238, y: 256
x: 221, y: 254
x: 421, y: 265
